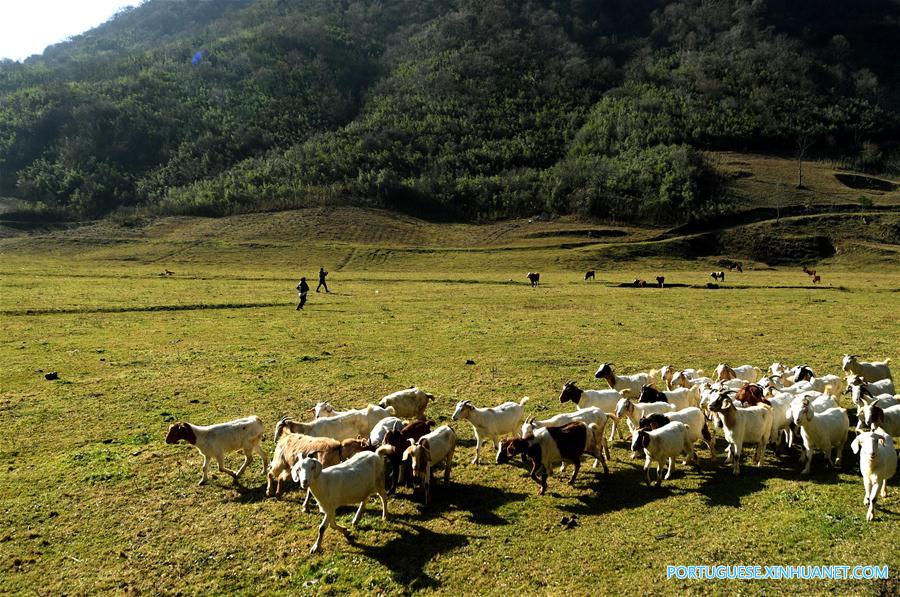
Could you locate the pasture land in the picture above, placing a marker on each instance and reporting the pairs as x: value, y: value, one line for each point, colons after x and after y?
x: 94, y: 501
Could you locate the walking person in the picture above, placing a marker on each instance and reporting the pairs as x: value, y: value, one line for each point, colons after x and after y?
x: 302, y: 289
x: 322, y: 274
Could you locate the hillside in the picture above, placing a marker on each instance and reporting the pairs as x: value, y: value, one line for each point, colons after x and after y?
x: 451, y: 109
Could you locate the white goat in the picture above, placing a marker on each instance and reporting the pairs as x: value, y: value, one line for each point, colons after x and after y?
x: 408, y: 404
x: 781, y: 419
x: 605, y: 400
x: 877, y: 463
x: 366, y: 418
x: 663, y: 445
x: 622, y: 382
x: 215, y: 441
x: 745, y: 372
x: 862, y: 397
x: 635, y: 411
x: 821, y: 431
x: 887, y: 419
x: 871, y: 371
x: 431, y: 449
x: 690, y: 416
x: 338, y: 427
x: 491, y: 423
x: 749, y: 425
x: 882, y: 386
x: 681, y: 380
x: 350, y: 482
x: 376, y: 436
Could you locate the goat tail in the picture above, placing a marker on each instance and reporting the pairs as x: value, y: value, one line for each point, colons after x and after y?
x: 523, y: 401
x: 654, y: 375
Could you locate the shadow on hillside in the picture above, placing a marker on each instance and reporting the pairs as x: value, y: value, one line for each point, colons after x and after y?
x: 479, y: 502
x: 408, y: 553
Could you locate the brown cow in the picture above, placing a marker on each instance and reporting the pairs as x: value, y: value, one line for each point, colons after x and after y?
x: 534, y: 278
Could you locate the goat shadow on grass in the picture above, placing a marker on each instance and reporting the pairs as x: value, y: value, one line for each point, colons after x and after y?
x: 248, y: 495
x: 722, y: 488
x: 409, y: 551
x: 621, y: 490
x: 480, y: 502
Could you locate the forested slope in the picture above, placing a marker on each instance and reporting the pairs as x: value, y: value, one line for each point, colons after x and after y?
x: 459, y: 109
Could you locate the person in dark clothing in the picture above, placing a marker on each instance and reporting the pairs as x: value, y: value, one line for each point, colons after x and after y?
x: 322, y: 274
x: 302, y: 288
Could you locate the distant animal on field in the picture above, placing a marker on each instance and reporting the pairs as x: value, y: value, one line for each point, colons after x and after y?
x: 534, y: 278
x: 737, y: 265
x: 589, y: 275
x: 168, y: 273
x: 661, y: 281
x: 718, y: 276
x: 639, y: 283
x: 817, y: 279
x: 810, y: 272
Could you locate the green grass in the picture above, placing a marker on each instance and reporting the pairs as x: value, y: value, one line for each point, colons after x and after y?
x: 93, y: 500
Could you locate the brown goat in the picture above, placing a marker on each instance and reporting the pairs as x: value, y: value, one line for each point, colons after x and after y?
x: 751, y: 394
x: 589, y: 275
x: 534, y: 278
x: 399, y: 441
x: 570, y: 441
x: 291, y: 447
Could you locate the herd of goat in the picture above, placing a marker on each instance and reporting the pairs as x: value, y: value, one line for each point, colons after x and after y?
x: 718, y: 276
x: 344, y: 457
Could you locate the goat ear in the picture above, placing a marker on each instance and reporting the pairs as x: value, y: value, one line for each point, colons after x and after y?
x: 406, y: 454
x: 424, y: 444
x: 645, y: 440
x: 412, y: 442
x: 855, y: 445
x: 881, y: 440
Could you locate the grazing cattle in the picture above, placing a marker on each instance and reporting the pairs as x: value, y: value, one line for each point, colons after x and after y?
x: 809, y: 272
x: 817, y: 279
x: 639, y: 283
x: 718, y: 276
x: 589, y: 275
x: 661, y: 281
x: 534, y: 278
x: 737, y: 265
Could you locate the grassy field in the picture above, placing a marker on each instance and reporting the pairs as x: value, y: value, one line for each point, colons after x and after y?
x: 94, y: 501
